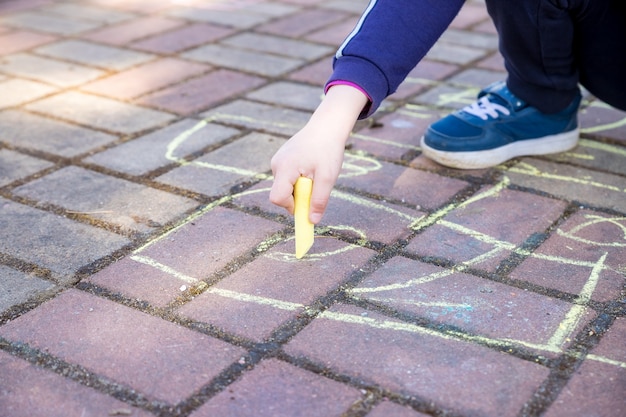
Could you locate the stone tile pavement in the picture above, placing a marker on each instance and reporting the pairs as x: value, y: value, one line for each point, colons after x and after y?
x: 143, y: 271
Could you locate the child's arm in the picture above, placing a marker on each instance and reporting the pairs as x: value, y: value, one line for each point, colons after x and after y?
x: 316, y: 151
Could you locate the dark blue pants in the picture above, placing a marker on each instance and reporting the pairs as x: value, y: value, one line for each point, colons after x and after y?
x: 550, y: 46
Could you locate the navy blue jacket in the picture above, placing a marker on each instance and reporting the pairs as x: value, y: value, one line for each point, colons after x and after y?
x: 389, y: 40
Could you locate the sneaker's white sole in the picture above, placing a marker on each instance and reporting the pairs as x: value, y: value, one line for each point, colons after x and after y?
x: 485, y: 159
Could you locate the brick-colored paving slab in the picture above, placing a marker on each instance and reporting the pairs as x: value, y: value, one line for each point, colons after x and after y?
x: 277, y: 389
x: 482, y: 240
x: 260, y: 297
x: 452, y: 374
x: 153, y: 75
x: 100, y: 112
x: 153, y: 356
x: 600, y: 189
x: 586, y: 250
x: 29, y: 391
x: 206, y: 244
x: 479, y: 306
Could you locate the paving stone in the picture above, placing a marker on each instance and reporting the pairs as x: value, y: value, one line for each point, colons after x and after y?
x: 145, y: 78
x: 197, y: 249
x: 52, y: 241
x: 237, y: 17
x: 609, y: 346
x: 596, y: 389
x: 93, y: 54
x: 278, y: 389
x: 481, y: 307
x: 395, y: 134
x: 210, y: 175
x: 455, y: 54
x: 595, y: 155
x: 51, y: 71
x: 408, y: 185
x: 347, y: 214
x: 477, y: 78
x: 139, y: 6
x: 278, y: 45
x: 133, y: 30
x: 46, y: 22
x: 29, y: 131
x: 275, y: 288
x: 179, y: 39
x: 136, y: 280
x: 387, y: 408
x: 15, y: 165
x: 102, y: 113
x: 29, y: 391
x: 10, y: 6
x: 368, y: 219
x: 128, y: 205
x: 191, y: 96
x: 493, y: 62
x: 17, y: 287
x: 350, y: 6
x: 259, y: 116
x: 302, y: 23
x: 244, y: 60
x: 469, y: 15
x: 20, y: 40
x: 573, y: 183
x: 86, y: 12
x: 15, y: 92
x: 566, y: 260
x: 405, y: 358
x: 316, y: 73
x: 604, y: 121
x: 468, y: 234
x: 470, y: 39
x: 162, y: 147
x: 155, y: 357
x: 445, y: 95
x: 423, y: 75
x: 333, y: 35
x: 289, y: 95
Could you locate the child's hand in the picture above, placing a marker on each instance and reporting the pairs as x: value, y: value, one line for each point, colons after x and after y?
x: 312, y: 153
x: 316, y: 151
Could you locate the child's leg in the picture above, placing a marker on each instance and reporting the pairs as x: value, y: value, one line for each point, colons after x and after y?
x: 549, y: 46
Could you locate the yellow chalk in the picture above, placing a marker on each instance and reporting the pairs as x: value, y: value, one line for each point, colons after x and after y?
x: 304, y: 228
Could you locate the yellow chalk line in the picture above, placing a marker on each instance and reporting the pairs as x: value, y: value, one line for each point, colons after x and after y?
x: 595, y: 220
x: 530, y: 170
x: 606, y: 126
x: 436, y: 216
x: 573, y: 317
x: 256, y: 299
x: 164, y: 268
x: 359, y: 201
x: 606, y: 360
x: 179, y: 139
x: 384, y: 142
x: 603, y: 146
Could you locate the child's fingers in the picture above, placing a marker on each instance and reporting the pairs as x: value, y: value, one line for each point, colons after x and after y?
x: 281, y: 193
x: 319, y: 198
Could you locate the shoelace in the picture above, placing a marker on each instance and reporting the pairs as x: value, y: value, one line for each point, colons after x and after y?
x: 484, y: 109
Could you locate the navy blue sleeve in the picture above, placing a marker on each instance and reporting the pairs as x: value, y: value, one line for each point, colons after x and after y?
x: 389, y: 40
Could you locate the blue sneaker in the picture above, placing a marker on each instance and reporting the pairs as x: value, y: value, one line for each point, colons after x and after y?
x: 499, y: 127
